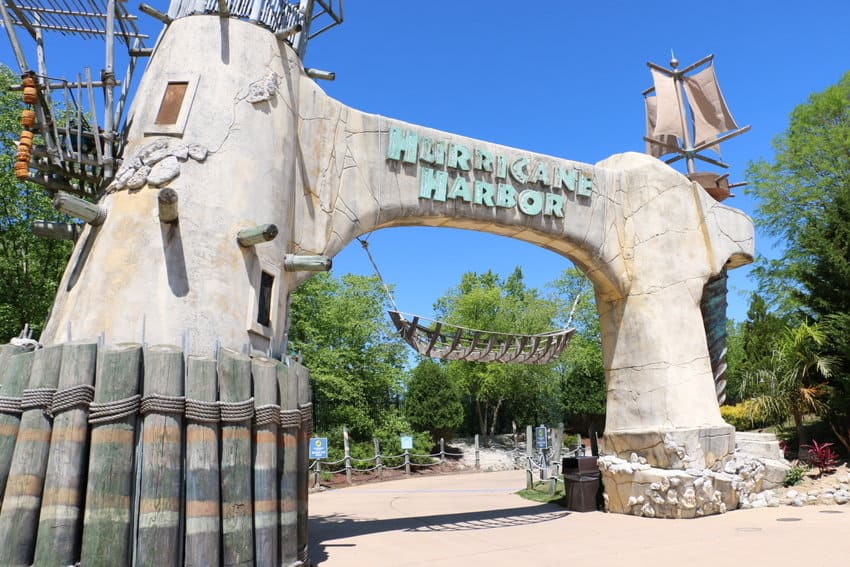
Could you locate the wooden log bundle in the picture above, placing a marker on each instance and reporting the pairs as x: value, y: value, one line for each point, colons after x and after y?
x: 215, y: 477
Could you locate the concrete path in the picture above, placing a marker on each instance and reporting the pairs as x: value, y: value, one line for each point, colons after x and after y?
x: 475, y: 519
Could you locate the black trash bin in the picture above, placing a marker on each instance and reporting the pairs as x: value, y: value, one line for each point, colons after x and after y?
x: 582, y: 484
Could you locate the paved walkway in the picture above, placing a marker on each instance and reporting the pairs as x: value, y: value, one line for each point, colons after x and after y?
x: 475, y: 519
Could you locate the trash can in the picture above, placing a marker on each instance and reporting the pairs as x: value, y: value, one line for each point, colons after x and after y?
x: 581, y: 484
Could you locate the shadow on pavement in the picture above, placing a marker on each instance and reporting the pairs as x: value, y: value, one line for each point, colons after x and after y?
x: 325, y: 529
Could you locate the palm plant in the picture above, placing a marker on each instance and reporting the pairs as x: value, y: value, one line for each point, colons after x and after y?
x: 794, y: 383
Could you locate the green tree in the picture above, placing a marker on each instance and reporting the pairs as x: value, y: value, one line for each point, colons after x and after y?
x: 432, y: 401
x: 804, y: 200
x: 498, y: 392
x: 30, y: 267
x: 580, y: 370
x: 794, y: 384
x: 355, y: 359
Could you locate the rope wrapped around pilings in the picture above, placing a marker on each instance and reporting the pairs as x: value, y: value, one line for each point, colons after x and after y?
x: 202, y: 412
x: 38, y: 398
x: 158, y: 403
x: 235, y: 412
x: 290, y: 419
x: 11, y: 405
x: 267, y: 414
x: 65, y: 399
x: 108, y: 412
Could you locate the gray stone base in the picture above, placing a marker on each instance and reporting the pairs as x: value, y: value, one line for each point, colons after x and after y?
x: 637, y: 488
x: 681, y: 449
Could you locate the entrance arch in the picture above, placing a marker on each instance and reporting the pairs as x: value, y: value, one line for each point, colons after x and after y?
x: 648, y: 238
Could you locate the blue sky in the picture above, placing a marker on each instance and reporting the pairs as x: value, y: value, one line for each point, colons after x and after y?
x: 561, y: 78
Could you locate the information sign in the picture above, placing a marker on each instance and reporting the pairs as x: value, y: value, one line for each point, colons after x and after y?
x: 319, y: 448
x: 541, y: 438
x: 406, y: 442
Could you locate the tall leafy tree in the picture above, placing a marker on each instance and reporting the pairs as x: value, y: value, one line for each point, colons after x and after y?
x: 30, y: 267
x: 432, y: 401
x: 580, y: 370
x: 804, y: 199
x: 355, y: 359
x: 485, y: 301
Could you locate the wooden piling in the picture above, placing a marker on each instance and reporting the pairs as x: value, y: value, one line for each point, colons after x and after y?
x: 234, y: 378
x: 347, y: 454
x: 159, y: 542
x: 266, y: 498
x: 60, y: 521
x: 287, y: 381
x: 22, y: 498
x: 305, y: 406
x: 15, y: 375
x: 5, y: 352
x: 203, y: 506
x: 107, y: 536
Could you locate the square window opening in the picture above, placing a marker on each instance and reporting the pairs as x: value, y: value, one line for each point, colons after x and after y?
x: 172, y: 101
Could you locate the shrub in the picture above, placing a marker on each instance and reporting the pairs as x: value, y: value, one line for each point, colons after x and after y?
x: 822, y: 456
x: 744, y: 416
x: 795, y: 474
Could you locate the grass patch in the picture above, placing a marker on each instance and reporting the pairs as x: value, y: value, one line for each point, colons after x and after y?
x: 539, y: 492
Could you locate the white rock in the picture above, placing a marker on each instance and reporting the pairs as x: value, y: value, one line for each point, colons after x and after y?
x: 154, y: 146
x: 164, y: 171
x: 139, y: 177
x: 197, y: 152
x: 841, y: 498
x: 180, y: 151
x: 797, y: 502
x: 156, y: 156
x: 791, y: 494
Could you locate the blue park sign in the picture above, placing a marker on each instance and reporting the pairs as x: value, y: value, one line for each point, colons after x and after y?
x: 541, y: 439
x: 319, y: 448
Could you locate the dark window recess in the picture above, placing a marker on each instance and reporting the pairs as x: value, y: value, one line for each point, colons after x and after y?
x: 264, y: 307
x: 172, y: 100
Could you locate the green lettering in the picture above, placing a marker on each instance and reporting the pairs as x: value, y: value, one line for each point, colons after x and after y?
x: 501, y: 167
x: 565, y: 178
x: 432, y: 152
x: 506, y: 196
x: 539, y: 173
x: 531, y: 202
x: 585, y: 185
x: 554, y: 205
x: 483, y: 160
x: 458, y: 157
x: 483, y: 193
x: 402, y: 142
x: 432, y: 184
x: 518, y: 170
x: 460, y: 189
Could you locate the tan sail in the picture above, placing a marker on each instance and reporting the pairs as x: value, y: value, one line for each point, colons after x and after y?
x: 667, y: 143
x: 711, y: 115
x: 668, y: 117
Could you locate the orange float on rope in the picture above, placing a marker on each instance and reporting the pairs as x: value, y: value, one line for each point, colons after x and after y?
x: 28, y: 81
x: 28, y: 118
x: 22, y: 170
x: 30, y: 95
x: 24, y: 155
x: 26, y: 139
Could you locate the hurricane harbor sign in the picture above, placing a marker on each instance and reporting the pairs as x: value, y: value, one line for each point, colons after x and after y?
x: 534, y: 186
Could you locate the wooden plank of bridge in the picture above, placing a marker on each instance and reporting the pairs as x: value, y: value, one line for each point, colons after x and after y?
x: 60, y: 521
x: 266, y: 498
x: 22, y: 499
x: 203, y: 506
x: 107, y: 538
x: 159, y: 541
x: 234, y: 379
